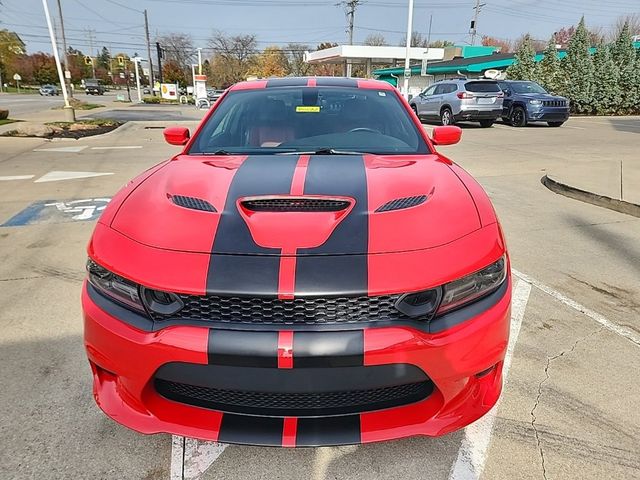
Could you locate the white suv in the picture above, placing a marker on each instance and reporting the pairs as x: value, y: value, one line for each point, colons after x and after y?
x: 455, y: 100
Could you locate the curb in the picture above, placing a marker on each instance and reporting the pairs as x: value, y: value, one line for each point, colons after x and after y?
x: 589, y: 197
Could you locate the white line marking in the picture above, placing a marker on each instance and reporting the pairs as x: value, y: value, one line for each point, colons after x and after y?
x: 61, y: 149
x: 56, y: 176
x: 477, y: 436
x: 575, y: 128
x: 16, y: 177
x: 199, y: 456
x: 123, y: 147
x: 605, y: 322
x: 177, y: 457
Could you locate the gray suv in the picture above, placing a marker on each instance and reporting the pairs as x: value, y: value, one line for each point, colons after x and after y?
x: 455, y: 100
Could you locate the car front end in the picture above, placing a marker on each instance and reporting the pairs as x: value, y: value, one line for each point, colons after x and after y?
x: 299, y: 298
x: 548, y: 109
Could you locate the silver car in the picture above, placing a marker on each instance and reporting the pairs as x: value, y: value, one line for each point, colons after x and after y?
x: 451, y: 101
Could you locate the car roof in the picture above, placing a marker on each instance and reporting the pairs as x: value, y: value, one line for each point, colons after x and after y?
x: 313, y: 82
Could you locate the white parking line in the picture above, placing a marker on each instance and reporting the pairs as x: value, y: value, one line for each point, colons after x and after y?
x: 605, y: 322
x: 177, y: 457
x: 15, y: 177
x: 472, y: 454
x: 190, y: 458
x: 123, y: 147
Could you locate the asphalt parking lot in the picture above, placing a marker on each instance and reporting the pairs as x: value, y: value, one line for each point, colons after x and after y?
x: 569, y: 409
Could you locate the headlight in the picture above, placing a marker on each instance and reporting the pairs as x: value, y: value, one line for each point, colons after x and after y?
x: 472, y: 287
x: 535, y: 102
x: 114, y: 286
x: 132, y: 295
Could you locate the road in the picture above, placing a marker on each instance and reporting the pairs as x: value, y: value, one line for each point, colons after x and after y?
x: 569, y: 407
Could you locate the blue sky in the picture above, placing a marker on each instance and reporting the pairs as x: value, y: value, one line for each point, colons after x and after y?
x: 277, y: 22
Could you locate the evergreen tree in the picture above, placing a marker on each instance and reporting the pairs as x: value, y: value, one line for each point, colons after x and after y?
x: 524, y: 67
x: 578, y: 68
x: 550, y: 74
x: 607, y: 93
x: 625, y: 59
x: 103, y: 59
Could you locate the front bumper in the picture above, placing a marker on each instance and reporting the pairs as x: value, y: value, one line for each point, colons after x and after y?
x: 462, y: 364
x: 548, y: 114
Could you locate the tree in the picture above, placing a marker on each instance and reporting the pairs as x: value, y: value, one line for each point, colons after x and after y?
x: 632, y: 21
x: 625, y: 60
x: 44, y: 68
x: 417, y: 40
x: 550, y: 74
x: 536, y: 45
x: 178, y: 48
x: 578, y: 67
x: 272, y: 62
x: 524, y: 66
x: 607, y: 94
x: 11, y: 48
x: 441, y: 44
x: 104, y: 58
x: 234, y: 57
x: 328, y: 69
x: 173, y: 73
x: 564, y: 35
x: 505, y: 46
x: 297, y: 66
x: 375, y: 40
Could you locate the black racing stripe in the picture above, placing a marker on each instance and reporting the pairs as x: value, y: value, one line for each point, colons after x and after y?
x: 287, y: 82
x: 328, y: 349
x: 243, y: 349
x: 251, y: 430
x: 340, y: 430
x: 336, y: 82
x: 258, y: 175
x: 346, y: 273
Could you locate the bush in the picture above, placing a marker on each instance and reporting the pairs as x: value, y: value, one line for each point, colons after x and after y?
x: 4, y: 114
x: 151, y: 99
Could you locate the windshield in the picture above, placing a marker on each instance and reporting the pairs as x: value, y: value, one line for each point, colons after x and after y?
x: 527, y: 87
x: 310, y: 119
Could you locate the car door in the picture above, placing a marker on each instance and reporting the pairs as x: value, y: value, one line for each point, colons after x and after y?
x: 422, y: 102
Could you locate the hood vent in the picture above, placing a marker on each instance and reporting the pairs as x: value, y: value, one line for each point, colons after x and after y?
x: 193, y: 203
x: 402, y: 203
x: 296, y: 204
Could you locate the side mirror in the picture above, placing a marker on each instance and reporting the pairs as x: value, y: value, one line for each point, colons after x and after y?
x: 446, y: 135
x: 176, y: 135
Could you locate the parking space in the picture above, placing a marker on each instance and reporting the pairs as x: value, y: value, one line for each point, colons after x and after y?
x: 569, y: 407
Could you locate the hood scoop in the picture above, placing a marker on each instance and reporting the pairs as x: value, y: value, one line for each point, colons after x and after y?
x: 402, y: 203
x: 295, y: 204
x: 192, y: 203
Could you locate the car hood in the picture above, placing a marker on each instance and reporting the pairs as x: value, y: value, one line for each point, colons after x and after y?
x: 299, y: 205
x: 540, y: 96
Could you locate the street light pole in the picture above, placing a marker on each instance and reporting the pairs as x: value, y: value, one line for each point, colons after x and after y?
x: 137, y: 60
x: 66, y: 53
x: 68, y: 109
x: 407, y: 61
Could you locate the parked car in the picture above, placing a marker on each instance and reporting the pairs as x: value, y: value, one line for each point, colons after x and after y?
x: 527, y: 102
x: 307, y: 270
x: 214, y: 94
x: 49, y: 90
x: 94, y: 87
x: 455, y: 100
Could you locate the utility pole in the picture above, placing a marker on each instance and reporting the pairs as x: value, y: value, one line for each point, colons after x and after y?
x: 350, y: 11
x: 159, y: 51
x: 407, y: 55
x: 146, y: 32
x: 69, y: 113
x: 474, y: 22
x: 66, y: 52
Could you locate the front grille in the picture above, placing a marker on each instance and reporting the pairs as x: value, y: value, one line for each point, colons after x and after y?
x: 299, y: 311
x: 295, y: 205
x: 294, y: 404
x: 554, y: 103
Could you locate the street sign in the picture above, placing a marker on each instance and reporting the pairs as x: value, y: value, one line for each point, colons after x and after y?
x: 17, y: 77
x: 423, y: 68
x: 407, y: 73
x: 67, y: 74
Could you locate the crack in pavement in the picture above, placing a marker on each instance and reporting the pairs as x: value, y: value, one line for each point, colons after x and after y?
x: 14, y: 279
x: 539, y: 396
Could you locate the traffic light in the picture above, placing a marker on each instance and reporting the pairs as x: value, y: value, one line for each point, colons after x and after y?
x: 121, y: 61
x: 88, y: 60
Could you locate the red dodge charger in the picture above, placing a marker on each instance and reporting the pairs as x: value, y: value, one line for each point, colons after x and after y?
x: 307, y: 271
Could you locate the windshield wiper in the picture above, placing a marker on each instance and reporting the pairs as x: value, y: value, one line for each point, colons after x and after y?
x: 218, y: 152
x: 323, y: 151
